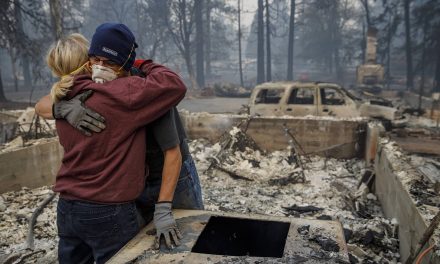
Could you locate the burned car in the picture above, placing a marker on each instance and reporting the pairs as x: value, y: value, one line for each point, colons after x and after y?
x: 314, y: 98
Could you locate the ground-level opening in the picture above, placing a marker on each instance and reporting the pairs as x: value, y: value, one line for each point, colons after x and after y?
x: 242, y: 237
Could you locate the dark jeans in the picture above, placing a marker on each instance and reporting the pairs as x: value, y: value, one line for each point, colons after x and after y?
x: 188, y: 193
x: 91, y: 232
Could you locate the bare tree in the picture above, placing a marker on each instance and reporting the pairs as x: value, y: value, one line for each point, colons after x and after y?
x: 55, y: 18
x: 367, y: 12
x: 21, y: 36
x: 200, y: 69
x: 268, y: 51
x: 207, y: 40
x: 2, y: 93
x: 436, y: 88
x: 425, y: 23
x: 423, y: 61
x: 290, y: 51
x: 408, y: 48
x: 240, y: 63
x: 327, y: 21
x: 180, y: 26
x: 260, y: 44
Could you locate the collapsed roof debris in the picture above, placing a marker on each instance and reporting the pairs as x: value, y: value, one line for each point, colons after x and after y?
x: 270, y: 183
x: 330, y: 192
x: 29, y: 130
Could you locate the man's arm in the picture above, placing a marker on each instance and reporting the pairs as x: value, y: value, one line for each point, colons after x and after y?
x: 170, y: 174
x: 163, y: 217
x: 166, y: 135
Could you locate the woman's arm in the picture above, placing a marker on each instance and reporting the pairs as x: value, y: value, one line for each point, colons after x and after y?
x: 43, y: 108
x: 73, y: 111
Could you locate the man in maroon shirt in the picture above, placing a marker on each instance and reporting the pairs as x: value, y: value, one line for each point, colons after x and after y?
x: 100, y: 177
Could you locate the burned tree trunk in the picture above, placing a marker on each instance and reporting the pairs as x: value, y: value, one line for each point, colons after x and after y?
x: 240, y: 65
x: 367, y: 12
x: 268, y: 51
x: 21, y: 35
x: 408, y: 48
x: 180, y: 29
x: 436, y: 88
x: 56, y: 19
x: 423, y: 62
x: 199, y: 44
x: 290, y: 52
x: 13, y: 57
x: 260, y: 44
x: 388, y: 54
x: 2, y: 93
x: 208, y: 40
x: 189, y: 66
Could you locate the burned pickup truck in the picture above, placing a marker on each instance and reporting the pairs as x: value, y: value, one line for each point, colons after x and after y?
x: 314, y: 98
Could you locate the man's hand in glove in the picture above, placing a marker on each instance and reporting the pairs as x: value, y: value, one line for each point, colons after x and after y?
x: 165, y: 225
x: 78, y: 115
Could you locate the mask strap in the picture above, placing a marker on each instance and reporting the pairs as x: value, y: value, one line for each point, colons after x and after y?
x: 129, y: 55
x: 75, y: 71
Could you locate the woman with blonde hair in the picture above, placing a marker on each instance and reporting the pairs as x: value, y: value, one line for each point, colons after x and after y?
x: 101, y: 176
x: 68, y: 55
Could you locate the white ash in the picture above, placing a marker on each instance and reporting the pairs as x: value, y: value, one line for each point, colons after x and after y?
x: 14, y: 219
x: 329, y: 184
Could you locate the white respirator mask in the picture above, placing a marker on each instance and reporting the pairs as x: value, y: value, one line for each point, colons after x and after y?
x: 101, y: 74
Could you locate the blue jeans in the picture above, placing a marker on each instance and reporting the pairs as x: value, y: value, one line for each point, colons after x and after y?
x: 91, y: 232
x: 188, y: 193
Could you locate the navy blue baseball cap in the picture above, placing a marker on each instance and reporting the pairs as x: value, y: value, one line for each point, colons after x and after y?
x: 115, y: 42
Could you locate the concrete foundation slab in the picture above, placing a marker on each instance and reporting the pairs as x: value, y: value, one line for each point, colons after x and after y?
x: 394, y: 178
x: 305, y: 243
x: 332, y: 137
x: 31, y: 167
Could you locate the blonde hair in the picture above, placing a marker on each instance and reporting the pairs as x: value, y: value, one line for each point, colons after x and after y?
x: 66, y: 58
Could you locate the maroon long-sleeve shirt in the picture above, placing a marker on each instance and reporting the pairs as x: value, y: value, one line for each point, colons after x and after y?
x: 109, y: 167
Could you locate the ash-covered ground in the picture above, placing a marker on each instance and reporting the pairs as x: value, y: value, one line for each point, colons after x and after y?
x: 251, y: 181
x: 237, y: 177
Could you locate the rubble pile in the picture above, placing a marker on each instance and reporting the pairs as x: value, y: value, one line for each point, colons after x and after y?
x: 245, y: 179
x: 16, y: 209
x: 19, y: 143
x: 28, y: 130
x: 270, y: 186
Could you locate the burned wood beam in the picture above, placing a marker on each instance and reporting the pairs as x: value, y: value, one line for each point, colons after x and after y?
x: 33, y: 220
x: 233, y: 174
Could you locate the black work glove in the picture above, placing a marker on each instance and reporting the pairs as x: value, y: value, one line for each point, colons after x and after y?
x: 165, y: 225
x: 78, y: 115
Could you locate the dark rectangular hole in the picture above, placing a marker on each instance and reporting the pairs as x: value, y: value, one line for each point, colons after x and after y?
x: 242, y: 237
